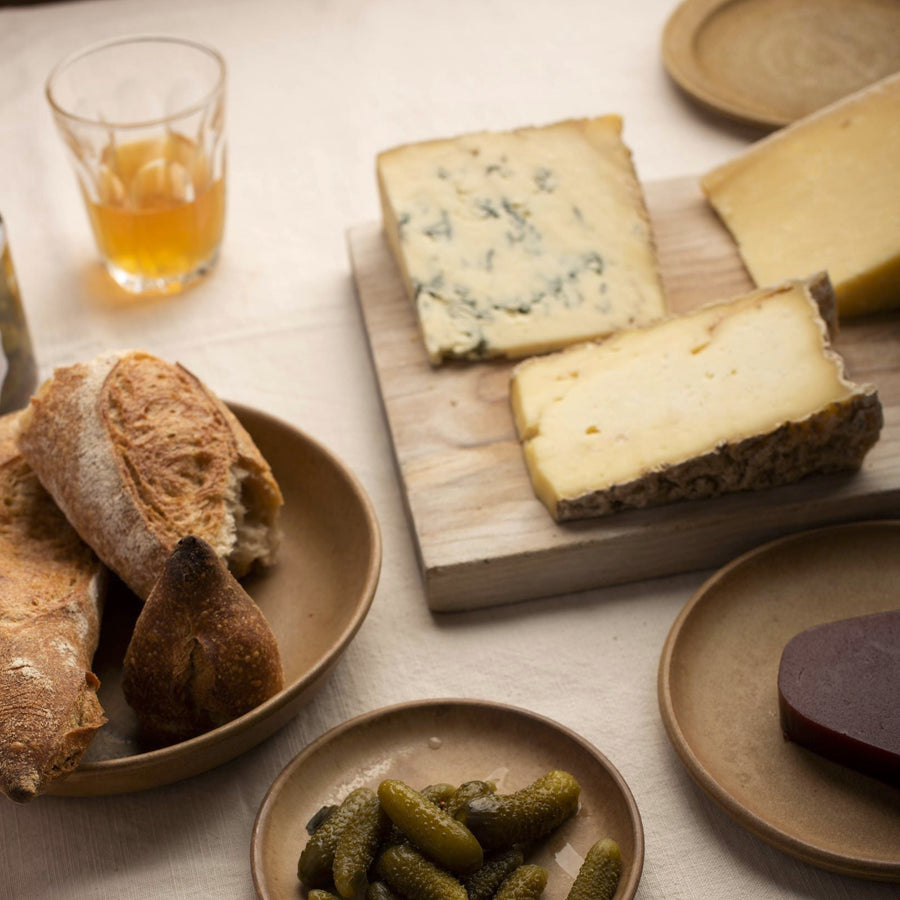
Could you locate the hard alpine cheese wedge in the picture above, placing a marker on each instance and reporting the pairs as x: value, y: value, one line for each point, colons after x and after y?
x: 822, y: 194
x: 518, y: 242
x: 734, y: 396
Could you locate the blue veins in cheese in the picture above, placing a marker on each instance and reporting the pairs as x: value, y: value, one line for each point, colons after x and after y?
x: 516, y: 243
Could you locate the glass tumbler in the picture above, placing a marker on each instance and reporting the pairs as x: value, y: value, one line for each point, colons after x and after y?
x: 143, y: 119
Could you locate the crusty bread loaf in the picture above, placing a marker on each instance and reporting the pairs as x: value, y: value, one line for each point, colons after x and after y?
x: 51, y: 595
x: 202, y: 652
x: 138, y: 453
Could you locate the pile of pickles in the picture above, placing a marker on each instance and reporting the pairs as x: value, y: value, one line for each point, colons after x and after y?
x: 447, y: 842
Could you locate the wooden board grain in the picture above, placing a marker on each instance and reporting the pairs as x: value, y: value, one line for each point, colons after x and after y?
x: 483, y: 538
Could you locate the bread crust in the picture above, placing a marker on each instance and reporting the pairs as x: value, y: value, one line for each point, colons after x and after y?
x: 138, y: 452
x: 51, y: 595
x: 202, y: 652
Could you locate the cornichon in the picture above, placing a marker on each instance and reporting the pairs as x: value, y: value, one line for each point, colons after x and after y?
x: 320, y: 818
x: 442, y: 839
x: 501, y: 820
x: 392, y: 827
x: 526, y: 883
x: 439, y: 793
x: 466, y: 792
x: 314, y: 868
x: 378, y: 890
x: 599, y: 874
x: 483, y: 884
x: 357, y: 845
x: 410, y: 874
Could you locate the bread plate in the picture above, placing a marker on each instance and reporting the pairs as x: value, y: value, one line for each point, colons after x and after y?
x: 718, y: 695
x: 448, y: 740
x: 315, y: 598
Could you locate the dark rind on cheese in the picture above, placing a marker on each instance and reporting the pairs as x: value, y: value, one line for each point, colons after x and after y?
x: 834, y: 439
x: 839, y: 693
x: 831, y: 440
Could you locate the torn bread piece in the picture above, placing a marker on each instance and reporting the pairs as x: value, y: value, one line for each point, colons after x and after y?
x: 202, y: 652
x: 138, y: 453
x: 51, y: 595
x: 734, y: 396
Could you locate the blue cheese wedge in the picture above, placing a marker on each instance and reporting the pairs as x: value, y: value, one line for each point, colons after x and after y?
x: 520, y: 242
x: 735, y: 396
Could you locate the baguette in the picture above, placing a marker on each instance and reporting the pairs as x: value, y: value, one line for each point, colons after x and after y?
x: 51, y: 595
x: 138, y: 453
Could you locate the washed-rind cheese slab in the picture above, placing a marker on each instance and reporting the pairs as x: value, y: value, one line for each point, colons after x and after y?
x: 822, y: 194
x: 519, y: 242
x: 51, y: 598
x: 734, y: 396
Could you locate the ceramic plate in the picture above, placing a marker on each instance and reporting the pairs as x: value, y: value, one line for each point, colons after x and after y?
x: 718, y: 694
x: 453, y: 741
x: 314, y: 598
x: 769, y: 62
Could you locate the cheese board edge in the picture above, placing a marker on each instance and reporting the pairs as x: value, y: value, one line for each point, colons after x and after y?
x: 698, y: 535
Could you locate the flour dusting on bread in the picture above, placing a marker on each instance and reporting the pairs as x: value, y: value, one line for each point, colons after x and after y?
x: 138, y: 453
x: 51, y: 596
x: 117, y: 460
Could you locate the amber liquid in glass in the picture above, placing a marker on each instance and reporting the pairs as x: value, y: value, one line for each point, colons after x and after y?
x: 160, y: 212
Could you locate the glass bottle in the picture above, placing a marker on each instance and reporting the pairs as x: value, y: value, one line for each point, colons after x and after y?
x: 18, y: 369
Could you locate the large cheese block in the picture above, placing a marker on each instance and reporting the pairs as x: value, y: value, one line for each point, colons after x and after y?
x: 733, y: 396
x: 519, y: 242
x: 822, y: 194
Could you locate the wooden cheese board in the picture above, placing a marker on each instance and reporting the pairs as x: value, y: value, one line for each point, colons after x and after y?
x: 482, y: 537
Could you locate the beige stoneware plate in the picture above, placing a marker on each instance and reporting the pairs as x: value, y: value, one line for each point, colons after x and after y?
x: 769, y: 62
x: 718, y: 695
x: 315, y: 598
x: 454, y: 741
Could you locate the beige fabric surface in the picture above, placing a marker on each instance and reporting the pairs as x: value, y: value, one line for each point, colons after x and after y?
x: 316, y: 88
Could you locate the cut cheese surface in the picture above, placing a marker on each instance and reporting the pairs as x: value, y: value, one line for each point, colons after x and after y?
x: 733, y: 396
x: 518, y: 242
x: 822, y: 194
